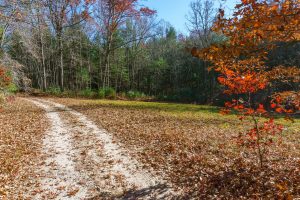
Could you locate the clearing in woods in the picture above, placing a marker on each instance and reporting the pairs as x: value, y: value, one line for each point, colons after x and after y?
x: 103, y: 149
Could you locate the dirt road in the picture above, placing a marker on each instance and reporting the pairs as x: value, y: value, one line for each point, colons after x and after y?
x: 81, y: 161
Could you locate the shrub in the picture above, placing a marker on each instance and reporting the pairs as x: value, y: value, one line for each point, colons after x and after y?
x: 87, y: 93
x: 12, y: 88
x: 135, y: 95
x: 69, y: 93
x: 101, y: 94
x: 54, y: 91
x: 109, y: 93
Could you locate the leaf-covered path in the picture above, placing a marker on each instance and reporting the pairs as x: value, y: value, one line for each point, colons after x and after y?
x: 81, y: 161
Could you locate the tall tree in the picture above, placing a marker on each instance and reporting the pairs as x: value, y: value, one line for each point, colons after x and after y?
x: 63, y: 14
x: 10, y: 13
x: 200, y: 20
x: 110, y: 15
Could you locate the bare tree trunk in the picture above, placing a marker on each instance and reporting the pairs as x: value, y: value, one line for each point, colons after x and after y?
x: 107, y: 62
x: 43, y: 60
x: 3, y: 36
x: 101, y: 70
x: 61, y: 62
x: 90, y: 75
x: 82, y: 83
x: 44, y: 68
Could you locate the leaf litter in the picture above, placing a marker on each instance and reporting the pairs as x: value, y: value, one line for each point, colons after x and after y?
x: 198, y: 156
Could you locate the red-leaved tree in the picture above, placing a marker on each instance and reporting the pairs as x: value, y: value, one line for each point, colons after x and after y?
x: 5, y: 81
x: 256, y: 29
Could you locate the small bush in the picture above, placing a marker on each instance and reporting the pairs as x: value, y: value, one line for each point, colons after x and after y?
x: 135, y: 95
x: 87, y: 93
x: 69, y: 93
x: 54, y: 91
x: 109, y: 93
x: 12, y: 88
x: 101, y: 94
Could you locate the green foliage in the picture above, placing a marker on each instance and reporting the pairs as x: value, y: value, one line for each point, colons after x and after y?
x: 109, y: 93
x: 135, y: 95
x: 87, y: 93
x: 171, y: 33
x: 53, y: 91
x: 101, y: 93
x: 68, y: 93
x: 84, y: 75
x: 159, y: 64
x: 12, y: 88
x: 181, y: 95
x: 169, y: 109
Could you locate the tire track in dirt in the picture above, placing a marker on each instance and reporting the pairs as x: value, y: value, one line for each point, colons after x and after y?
x: 85, y: 163
x: 59, y: 179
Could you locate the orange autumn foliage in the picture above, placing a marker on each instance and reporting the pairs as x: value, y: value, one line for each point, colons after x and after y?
x: 4, y: 78
x: 120, y: 10
x: 253, y: 31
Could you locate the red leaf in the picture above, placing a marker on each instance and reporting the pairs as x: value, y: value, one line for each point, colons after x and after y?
x: 261, y: 108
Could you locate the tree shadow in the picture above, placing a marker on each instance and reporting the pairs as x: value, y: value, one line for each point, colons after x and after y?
x: 252, y: 182
x: 160, y: 191
x: 157, y: 192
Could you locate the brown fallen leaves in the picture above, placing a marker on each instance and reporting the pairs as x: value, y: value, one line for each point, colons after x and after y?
x: 22, y: 126
x: 199, y: 156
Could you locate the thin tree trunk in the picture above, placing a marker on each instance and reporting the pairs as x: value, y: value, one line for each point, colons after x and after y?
x: 43, y: 62
x: 3, y: 36
x: 61, y: 62
x: 107, y: 62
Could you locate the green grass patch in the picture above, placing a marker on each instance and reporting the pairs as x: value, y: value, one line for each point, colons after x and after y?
x: 187, y: 111
x: 171, y: 109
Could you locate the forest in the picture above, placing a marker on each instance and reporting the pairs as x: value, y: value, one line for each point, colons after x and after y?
x: 103, y: 99
x: 88, y: 46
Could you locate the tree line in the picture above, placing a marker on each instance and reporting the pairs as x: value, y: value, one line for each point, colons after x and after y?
x: 89, y: 45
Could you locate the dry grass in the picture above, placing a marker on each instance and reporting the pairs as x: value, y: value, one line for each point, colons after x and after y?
x: 22, y: 126
x: 193, y: 146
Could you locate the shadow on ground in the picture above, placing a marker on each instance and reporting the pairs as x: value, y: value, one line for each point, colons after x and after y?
x: 157, y: 192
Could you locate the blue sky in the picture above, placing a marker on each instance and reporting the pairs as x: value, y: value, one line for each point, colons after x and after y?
x: 175, y: 11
